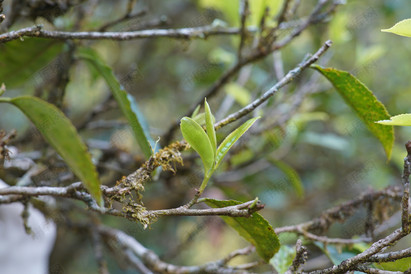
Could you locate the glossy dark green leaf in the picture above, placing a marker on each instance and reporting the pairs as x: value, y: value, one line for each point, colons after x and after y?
x: 59, y: 132
x: 230, y: 140
x: 124, y: 100
x: 22, y: 59
x: 255, y: 229
x: 196, y: 137
x: 363, y: 102
x: 210, y: 120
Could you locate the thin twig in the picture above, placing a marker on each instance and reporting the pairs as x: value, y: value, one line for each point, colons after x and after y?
x: 256, y: 55
x: 391, y: 256
x: 300, y: 258
x: 2, y: 16
x: 405, y: 218
x: 342, y: 212
x: 98, y: 252
x: 127, y: 16
x: 183, y: 33
x: 291, y: 75
x: 244, y: 12
x: 153, y: 262
x: 376, y: 247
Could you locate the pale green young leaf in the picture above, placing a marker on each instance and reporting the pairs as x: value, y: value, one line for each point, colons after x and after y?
x: 402, y: 28
x: 196, y: 111
x: 255, y: 229
x: 196, y: 137
x: 363, y: 102
x: 210, y: 126
x: 230, y: 140
x: 397, y: 120
x: 200, y: 119
x: 59, y: 132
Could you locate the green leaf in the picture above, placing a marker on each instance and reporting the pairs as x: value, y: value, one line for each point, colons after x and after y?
x: 196, y: 111
x: 239, y: 93
x: 62, y: 136
x: 194, y: 134
x: 402, y: 28
x: 230, y: 140
x: 125, y: 101
x: 255, y: 229
x: 258, y: 7
x: 229, y: 9
x: 283, y: 259
x: 397, y: 120
x: 403, y: 264
x: 143, y: 122
x: 21, y: 59
x: 210, y: 120
x: 292, y: 176
x: 363, y: 102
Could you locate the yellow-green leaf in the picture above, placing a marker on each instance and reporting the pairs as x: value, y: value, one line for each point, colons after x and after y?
x: 363, y: 102
x: 239, y: 93
x: 194, y: 134
x: 126, y: 102
x: 397, y: 120
x: 403, y: 264
x: 59, y: 132
x: 230, y: 140
x: 210, y: 126
x: 255, y: 229
x: 402, y: 28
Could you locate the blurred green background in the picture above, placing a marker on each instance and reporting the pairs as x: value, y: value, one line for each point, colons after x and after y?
x: 334, y: 156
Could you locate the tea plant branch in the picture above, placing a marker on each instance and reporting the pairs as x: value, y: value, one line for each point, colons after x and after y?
x: 127, y: 16
x: 405, y: 218
x: 182, y: 33
x: 391, y: 256
x: 124, y: 242
x: 244, y: 12
x: 291, y: 75
x: 75, y: 191
x: 342, y: 212
x: 300, y: 258
x: 351, y: 263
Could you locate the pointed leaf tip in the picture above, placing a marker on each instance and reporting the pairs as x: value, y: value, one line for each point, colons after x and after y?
x: 397, y: 120
x: 60, y: 133
x: 230, y: 140
x: 196, y: 137
x: 210, y: 120
x: 363, y: 102
x: 402, y: 28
